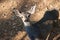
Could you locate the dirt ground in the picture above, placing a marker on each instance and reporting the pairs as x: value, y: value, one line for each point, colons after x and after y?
x: 11, y: 27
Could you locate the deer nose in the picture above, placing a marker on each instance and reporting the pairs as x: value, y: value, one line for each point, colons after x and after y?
x: 28, y: 14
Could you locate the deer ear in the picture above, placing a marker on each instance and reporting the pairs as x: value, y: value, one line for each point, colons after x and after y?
x: 32, y: 9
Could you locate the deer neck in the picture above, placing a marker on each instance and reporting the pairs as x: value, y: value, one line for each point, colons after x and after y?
x: 26, y: 23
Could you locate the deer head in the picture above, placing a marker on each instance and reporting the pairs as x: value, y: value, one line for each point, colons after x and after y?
x: 25, y: 15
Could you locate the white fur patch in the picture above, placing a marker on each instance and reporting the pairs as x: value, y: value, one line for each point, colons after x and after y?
x: 26, y: 24
x: 32, y: 10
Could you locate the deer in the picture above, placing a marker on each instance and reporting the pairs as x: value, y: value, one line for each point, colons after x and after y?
x: 32, y: 31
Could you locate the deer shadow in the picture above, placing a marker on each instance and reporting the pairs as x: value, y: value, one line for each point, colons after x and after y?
x: 47, y: 24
